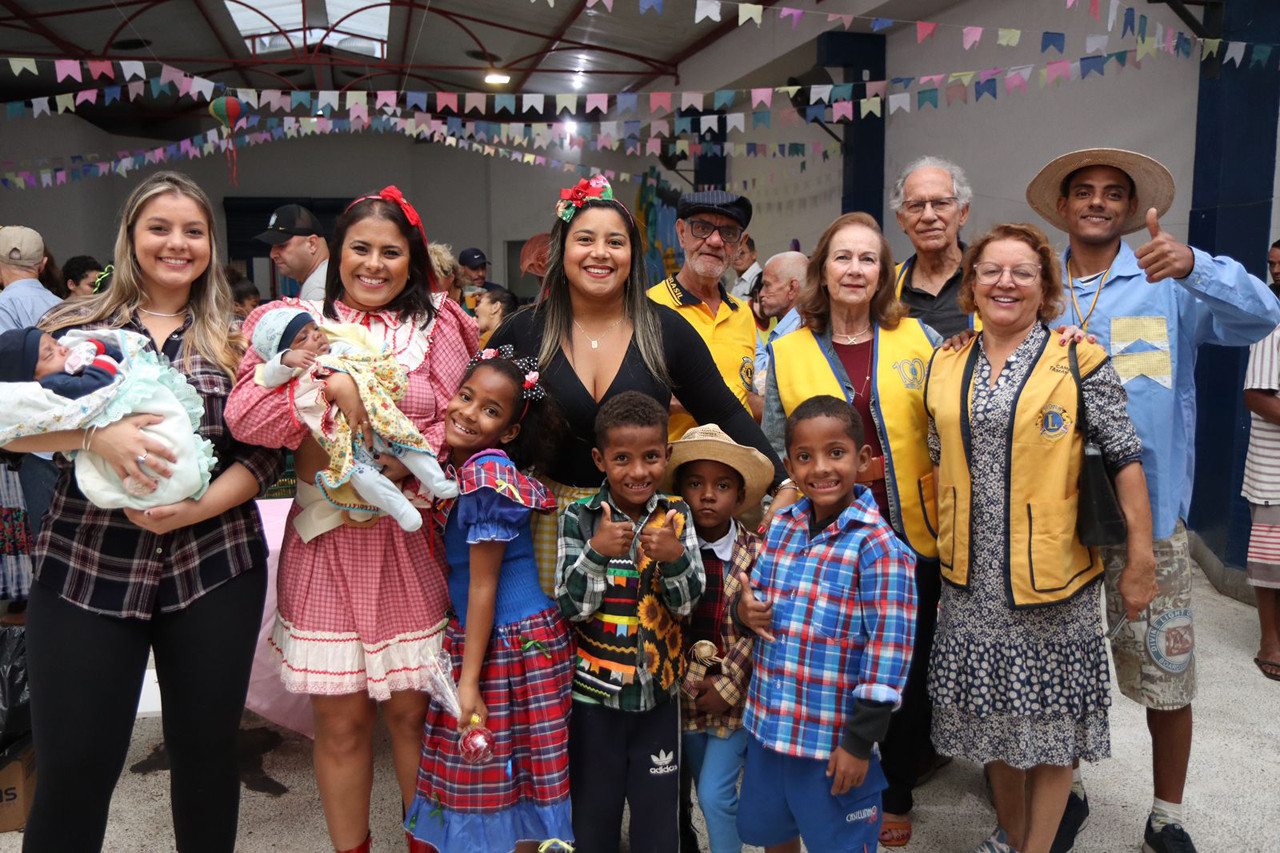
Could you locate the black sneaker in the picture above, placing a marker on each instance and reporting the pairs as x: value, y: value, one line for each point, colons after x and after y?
x: 1171, y: 839
x: 1074, y: 818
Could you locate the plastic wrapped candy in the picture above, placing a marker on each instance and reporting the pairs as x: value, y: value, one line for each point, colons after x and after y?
x: 475, y: 744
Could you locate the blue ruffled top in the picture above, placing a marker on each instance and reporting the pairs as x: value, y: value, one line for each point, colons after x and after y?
x: 494, y: 505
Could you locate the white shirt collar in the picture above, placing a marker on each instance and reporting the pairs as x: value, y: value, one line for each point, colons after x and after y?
x: 722, y: 547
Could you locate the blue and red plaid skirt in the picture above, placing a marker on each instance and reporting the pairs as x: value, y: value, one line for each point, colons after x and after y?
x: 523, y: 792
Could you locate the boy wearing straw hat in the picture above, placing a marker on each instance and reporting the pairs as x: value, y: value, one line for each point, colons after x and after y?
x: 719, y: 480
x: 1151, y: 308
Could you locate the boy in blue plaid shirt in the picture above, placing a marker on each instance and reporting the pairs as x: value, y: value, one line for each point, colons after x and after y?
x: 835, y: 606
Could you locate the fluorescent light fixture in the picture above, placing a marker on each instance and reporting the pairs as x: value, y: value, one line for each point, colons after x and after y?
x: 497, y: 78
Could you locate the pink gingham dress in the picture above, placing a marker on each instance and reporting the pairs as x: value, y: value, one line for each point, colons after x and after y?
x: 362, y: 608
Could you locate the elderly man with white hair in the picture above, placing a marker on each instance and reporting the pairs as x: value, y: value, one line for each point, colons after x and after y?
x: 780, y: 284
x: 931, y: 200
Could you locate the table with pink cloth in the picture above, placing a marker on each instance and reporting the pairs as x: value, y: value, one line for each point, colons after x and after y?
x: 267, y: 696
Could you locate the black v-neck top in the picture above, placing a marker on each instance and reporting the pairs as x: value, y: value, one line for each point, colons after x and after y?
x: 696, y: 382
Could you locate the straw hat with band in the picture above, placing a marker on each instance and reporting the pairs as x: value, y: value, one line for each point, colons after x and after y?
x: 1153, y: 183
x: 709, y: 442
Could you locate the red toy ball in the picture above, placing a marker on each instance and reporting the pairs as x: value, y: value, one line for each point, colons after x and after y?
x: 475, y: 744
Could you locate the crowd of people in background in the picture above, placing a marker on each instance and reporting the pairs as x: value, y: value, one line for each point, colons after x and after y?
x: 791, y: 538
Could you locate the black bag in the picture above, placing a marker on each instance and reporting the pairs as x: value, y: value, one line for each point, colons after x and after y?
x: 15, y: 693
x: 1099, y: 520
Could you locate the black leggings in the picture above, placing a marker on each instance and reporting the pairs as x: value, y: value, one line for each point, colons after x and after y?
x: 86, y: 674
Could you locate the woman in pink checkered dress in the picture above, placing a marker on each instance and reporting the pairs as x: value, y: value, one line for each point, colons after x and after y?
x: 362, y: 603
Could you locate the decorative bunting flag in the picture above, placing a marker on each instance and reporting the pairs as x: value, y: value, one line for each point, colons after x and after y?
x: 876, y: 88
x: 691, y: 101
x: 1060, y: 70
x: 924, y: 29
x: 1261, y: 54
x: 608, y: 4
x: 646, y: 5
x: 868, y: 106
x: 706, y: 10
x: 64, y: 68
x: 761, y: 97
x: 1092, y: 65
x: 820, y: 93
x: 900, y: 101
x: 472, y: 102
x: 750, y: 12
x: 598, y: 102
x: 1053, y: 40
x: 1008, y: 38
x: 984, y: 87
x: 1111, y: 15
x: 842, y: 111
x: 794, y: 14
x: 1127, y: 27
x: 1209, y: 47
x: 972, y: 35
x: 1235, y: 53
x: 659, y: 100
x: 723, y: 99
x: 957, y: 92
x: 880, y: 25
x: 926, y: 96
x: 845, y: 20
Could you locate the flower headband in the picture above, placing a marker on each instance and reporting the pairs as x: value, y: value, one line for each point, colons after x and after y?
x: 573, y: 198
x: 533, y: 388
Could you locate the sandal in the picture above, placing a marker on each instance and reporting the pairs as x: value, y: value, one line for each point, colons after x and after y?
x: 1269, y: 668
x: 895, y: 833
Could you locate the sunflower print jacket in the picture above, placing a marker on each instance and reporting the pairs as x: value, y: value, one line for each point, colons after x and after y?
x: 628, y: 612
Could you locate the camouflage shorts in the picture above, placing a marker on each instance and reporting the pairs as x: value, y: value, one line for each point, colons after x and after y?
x: 1155, y: 655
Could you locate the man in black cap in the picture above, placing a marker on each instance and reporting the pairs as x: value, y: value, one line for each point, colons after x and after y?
x: 298, y: 248
x: 710, y: 226
x: 475, y: 267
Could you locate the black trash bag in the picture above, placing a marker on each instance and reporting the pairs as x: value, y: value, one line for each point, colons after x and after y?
x: 15, y: 692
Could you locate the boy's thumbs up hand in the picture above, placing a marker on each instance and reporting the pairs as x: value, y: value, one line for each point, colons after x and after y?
x: 752, y: 612
x: 613, y: 538
x: 659, y: 540
x: 1163, y: 257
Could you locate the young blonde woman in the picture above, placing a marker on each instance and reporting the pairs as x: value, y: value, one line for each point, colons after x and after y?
x: 184, y: 581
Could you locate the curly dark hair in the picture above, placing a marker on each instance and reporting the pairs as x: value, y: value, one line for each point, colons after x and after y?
x: 537, y: 444
x: 826, y: 406
x: 630, y: 408
x: 412, y: 302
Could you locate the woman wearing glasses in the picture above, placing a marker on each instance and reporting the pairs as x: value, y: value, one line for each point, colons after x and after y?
x: 1018, y: 675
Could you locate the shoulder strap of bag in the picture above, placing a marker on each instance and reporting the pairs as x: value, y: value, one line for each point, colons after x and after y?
x: 1082, y: 421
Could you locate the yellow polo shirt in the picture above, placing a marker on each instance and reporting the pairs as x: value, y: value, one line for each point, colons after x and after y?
x: 730, y: 335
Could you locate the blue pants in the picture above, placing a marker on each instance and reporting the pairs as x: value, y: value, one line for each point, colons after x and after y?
x: 715, y: 764
x: 784, y: 796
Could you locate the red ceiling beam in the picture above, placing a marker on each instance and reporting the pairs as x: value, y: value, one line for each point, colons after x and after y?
x: 551, y: 43
x: 35, y: 26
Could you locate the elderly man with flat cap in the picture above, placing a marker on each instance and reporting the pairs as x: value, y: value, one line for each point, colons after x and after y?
x: 1152, y: 309
x: 298, y: 248
x: 710, y: 225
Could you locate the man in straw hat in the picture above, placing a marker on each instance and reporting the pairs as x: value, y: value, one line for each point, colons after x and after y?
x: 1151, y: 308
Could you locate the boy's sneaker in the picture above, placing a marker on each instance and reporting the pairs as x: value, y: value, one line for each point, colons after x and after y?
x: 997, y: 843
x: 1074, y: 818
x: 1171, y: 838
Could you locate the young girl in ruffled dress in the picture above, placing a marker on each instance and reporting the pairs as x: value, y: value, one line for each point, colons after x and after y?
x: 508, y: 643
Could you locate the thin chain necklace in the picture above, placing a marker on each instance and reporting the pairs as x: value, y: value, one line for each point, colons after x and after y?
x: 595, y: 342
x: 853, y: 338
x: 161, y: 314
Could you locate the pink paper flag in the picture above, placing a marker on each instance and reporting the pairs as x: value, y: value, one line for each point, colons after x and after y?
x: 65, y: 68
x: 184, y: 85
x: 1059, y: 70
x: 386, y: 98
x: 877, y: 88
x: 794, y: 14
x: 845, y: 20
x: 1094, y: 11
x: 473, y: 102
x: 598, y: 102
x: 691, y: 101
x: 169, y: 74
x: 842, y: 111
x: 87, y: 96
x: 1015, y: 80
x: 653, y: 146
x: 136, y: 88
x: 972, y: 35
x: 608, y: 4
x: 984, y: 76
x: 660, y: 127
x: 931, y: 80
x: 447, y: 101
x: 924, y: 29
x: 761, y: 96
x: 659, y: 100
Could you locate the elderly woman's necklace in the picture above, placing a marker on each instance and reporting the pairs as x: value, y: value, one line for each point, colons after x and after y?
x: 850, y: 339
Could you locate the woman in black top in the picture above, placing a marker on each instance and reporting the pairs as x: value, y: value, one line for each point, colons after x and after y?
x: 596, y: 334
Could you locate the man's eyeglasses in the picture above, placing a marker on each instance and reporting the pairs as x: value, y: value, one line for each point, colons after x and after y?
x: 941, y: 206
x: 702, y: 229
x: 1023, y: 275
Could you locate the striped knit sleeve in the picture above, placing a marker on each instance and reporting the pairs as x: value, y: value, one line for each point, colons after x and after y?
x: 1263, y: 372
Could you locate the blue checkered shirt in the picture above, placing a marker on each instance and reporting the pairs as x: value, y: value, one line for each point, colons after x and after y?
x: 844, y: 612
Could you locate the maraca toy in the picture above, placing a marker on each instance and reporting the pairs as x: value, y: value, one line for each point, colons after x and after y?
x: 475, y: 744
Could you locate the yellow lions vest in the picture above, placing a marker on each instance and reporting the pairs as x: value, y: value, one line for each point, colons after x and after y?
x: 1046, y: 561
x: 897, y: 399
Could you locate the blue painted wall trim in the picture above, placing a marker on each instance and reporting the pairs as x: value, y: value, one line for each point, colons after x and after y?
x: 1231, y: 215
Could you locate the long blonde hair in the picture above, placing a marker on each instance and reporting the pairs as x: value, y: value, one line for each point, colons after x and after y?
x: 210, y: 301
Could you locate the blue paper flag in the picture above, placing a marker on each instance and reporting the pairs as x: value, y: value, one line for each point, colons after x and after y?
x: 684, y: 125
x: 418, y: 100
x: 842, y: 92
x: 880, y: 24
x: 760, y: 118
x: 1092, y: 65
x: 926, y: 96
x: 504, y: 102
x: 1128, y: 21
x: 1057, y: 40
x: 816, y: 112
x: 626, y: 102
x: 111, y: 94
x: 300, y: 99
x: 724, y: 98
x: 985, y: 87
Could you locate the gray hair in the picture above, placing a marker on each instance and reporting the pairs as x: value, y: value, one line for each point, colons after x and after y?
x: 793, y: 263
x: 959, y: 182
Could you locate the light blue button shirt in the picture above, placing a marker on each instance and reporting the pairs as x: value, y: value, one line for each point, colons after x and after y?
x: 789, y: 323
x: 24, y: 302
x: 1152, y: 333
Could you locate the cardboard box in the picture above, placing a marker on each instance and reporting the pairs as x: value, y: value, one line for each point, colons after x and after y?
x: 17, y: 784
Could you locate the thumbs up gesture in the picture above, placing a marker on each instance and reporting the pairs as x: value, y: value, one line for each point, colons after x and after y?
x: 752, y: 612
x: 658, y: 538
x: 613, y: 538
x: 1163, y: 257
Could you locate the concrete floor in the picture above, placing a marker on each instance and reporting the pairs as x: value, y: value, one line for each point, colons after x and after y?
x: 1235, y: 763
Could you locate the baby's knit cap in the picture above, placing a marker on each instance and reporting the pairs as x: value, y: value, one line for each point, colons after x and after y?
x: 277, y: 328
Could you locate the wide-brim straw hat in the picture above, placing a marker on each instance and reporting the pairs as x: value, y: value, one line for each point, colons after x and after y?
x: 711, y: 442
x: 1153, y: 181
